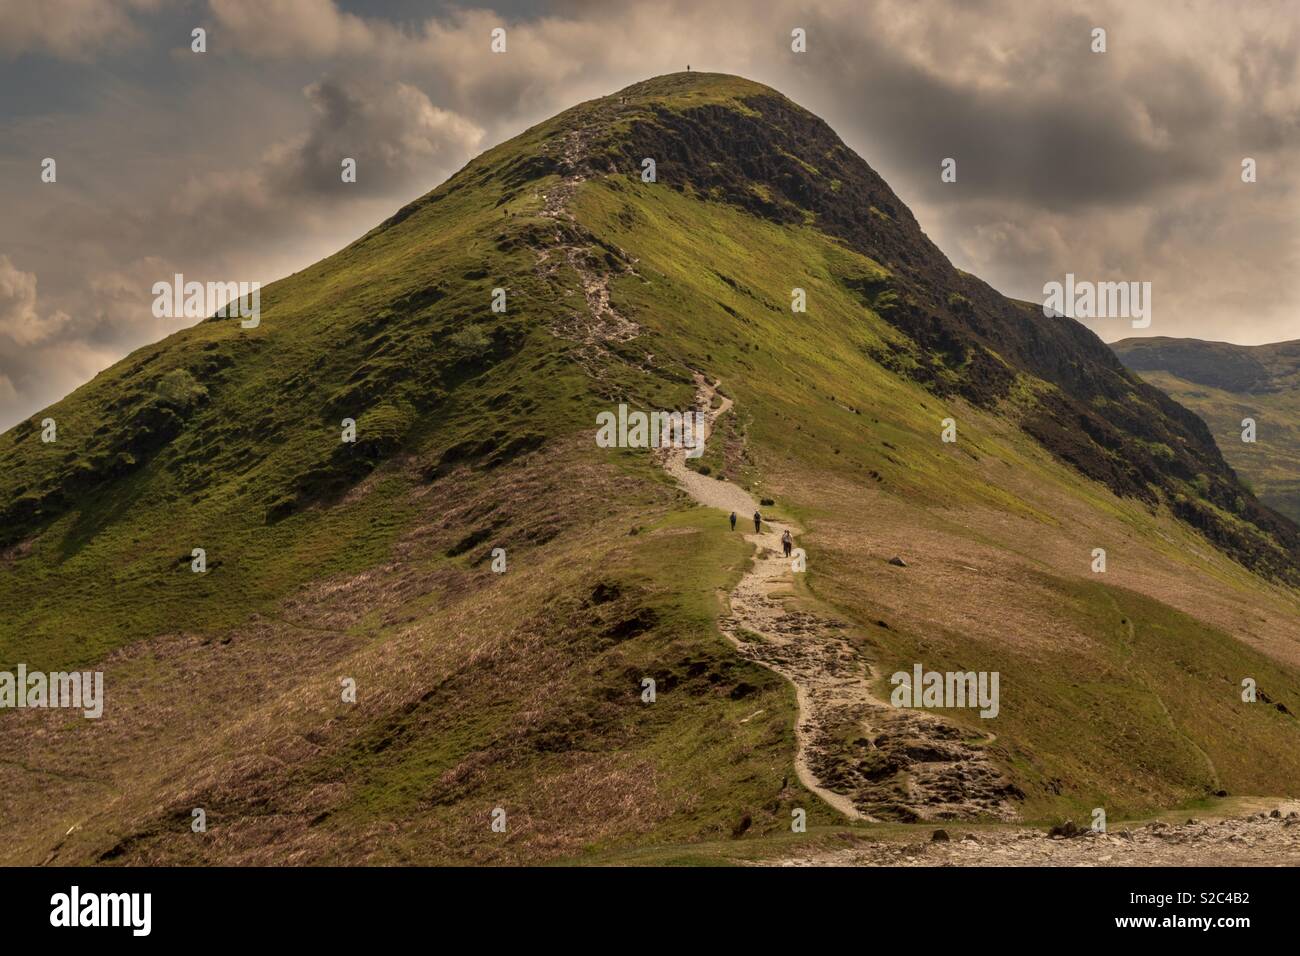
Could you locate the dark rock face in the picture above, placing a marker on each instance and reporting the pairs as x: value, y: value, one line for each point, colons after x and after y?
x: 969, y: 340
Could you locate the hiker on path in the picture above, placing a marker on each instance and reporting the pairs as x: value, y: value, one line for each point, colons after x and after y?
x: 758, y: 523
x: 787, y: 542
x: 733, y: 521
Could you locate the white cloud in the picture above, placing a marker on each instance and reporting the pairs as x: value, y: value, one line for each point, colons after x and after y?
x: 20, y: 319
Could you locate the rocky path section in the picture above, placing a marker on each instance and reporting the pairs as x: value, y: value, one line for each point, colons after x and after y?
x: 864, y: 757
x: 575, y: 247
x: 1265, y: 838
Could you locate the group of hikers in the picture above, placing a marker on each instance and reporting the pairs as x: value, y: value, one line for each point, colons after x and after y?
x: 787, y: 542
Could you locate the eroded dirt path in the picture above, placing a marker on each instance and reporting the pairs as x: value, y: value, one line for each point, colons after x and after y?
x: 864, y: 757
x: 572, y: 245
x: 872, y: 761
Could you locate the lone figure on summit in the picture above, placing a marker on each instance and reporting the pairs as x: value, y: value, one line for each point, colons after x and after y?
x: 758, y: 523
x: 733, y: 521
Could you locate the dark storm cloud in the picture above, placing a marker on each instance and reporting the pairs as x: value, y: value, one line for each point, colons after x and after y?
x: 1055, y: 123
x: 1123, y: 165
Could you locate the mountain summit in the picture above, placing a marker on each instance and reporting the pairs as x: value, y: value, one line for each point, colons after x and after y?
x: 360, y: 576
x: 743, y: 144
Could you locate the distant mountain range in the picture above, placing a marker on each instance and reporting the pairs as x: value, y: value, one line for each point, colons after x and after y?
x: 1225, y: 384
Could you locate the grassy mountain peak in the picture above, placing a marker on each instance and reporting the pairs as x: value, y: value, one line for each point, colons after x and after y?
x: 477, y: 688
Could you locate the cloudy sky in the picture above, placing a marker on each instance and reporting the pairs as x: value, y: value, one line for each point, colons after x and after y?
x: 225, y: 165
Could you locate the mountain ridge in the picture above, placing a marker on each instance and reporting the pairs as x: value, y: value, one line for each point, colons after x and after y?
x: 1239, y: 368
x: 1226, y: 384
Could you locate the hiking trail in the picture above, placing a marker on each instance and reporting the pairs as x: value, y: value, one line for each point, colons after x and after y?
x: 864, y: 757
x: 573, y: 245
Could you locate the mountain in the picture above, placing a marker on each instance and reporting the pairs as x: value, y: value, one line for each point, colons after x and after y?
x: 369, y: 565
x: 1226, y: 384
